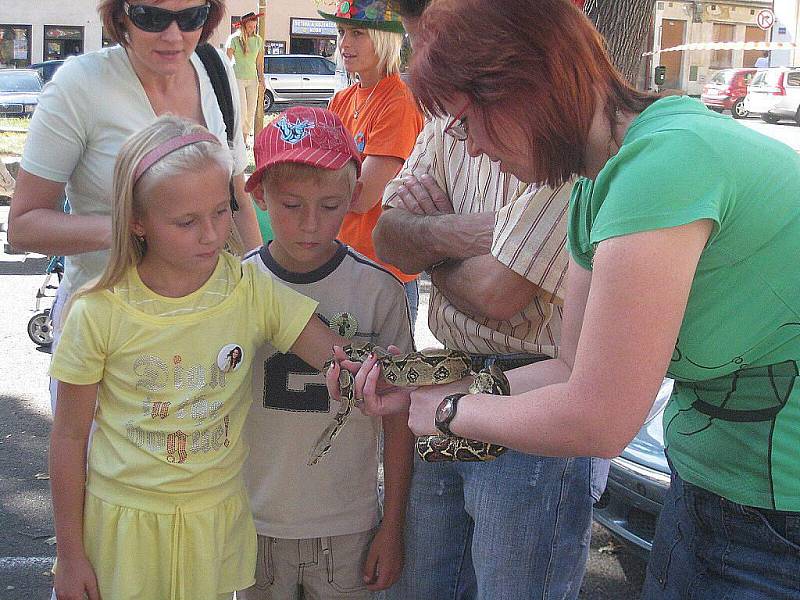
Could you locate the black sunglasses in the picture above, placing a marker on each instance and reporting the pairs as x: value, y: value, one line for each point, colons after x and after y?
x: 154, y: 19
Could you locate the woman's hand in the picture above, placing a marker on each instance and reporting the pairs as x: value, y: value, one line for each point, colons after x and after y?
x: 74, y: 578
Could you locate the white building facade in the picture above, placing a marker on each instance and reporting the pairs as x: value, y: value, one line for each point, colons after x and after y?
x: 32, y: 31
x: 680, y: 22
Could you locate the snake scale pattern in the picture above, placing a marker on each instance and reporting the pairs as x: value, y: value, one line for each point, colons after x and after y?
x: 428, y: 367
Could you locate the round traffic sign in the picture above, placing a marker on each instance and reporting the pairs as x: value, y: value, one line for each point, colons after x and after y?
x: 765, y: 19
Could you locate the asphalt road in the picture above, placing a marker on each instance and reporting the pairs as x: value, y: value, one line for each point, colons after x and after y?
x: 26, y: 554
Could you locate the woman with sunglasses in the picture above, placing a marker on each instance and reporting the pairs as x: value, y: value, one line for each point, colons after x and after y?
x: 92, y: 105
x: 684, y: 234
x: 380, y: 113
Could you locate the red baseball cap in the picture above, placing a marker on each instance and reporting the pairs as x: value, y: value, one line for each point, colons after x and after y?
x: 303, y: 134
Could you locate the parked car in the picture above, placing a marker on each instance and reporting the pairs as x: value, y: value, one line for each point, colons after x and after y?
x: 300, y: 78
x: 47, y: 68
x: 19, y: 92
x: 726, y: 90
x: 638, y: 480
x: 774, y: 94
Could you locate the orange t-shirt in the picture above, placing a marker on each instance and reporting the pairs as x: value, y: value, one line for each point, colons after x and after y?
x: 388, y: 124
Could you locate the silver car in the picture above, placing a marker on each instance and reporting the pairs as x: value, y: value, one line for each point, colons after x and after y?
x: 638, y: 480
x: 19, y: 92
x: 300, y: 78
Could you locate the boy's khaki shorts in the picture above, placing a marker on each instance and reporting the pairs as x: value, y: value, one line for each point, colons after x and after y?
x: 328, y: 568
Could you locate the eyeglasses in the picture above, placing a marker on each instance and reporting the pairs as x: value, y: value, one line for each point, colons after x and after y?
x: 457, y: 128
x: 154, y: 20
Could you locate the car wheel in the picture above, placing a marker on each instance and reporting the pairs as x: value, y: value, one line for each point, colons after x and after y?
x: 268, y: 101
x: 715, y: 109
x: 797, y: 116
x: 738, y: 111
x: 771, y: 119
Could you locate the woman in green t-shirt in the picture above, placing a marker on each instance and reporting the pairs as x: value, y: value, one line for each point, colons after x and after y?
x: 246, y: 49
x: 684, y: 234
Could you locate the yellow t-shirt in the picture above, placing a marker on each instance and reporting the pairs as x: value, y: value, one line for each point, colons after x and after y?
x: 173, y: 393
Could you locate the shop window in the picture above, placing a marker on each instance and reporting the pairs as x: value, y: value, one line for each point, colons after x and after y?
x: 61, y: 41
x: 15, y: 46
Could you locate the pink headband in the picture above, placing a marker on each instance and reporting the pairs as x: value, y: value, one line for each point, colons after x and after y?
x: 176, y: 143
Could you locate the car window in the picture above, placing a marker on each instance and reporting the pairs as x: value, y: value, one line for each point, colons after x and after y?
x: 722, y: 77
x: 747, y: 77
x: 759, y: 78
x: 20, y: 82
x: 307, y: 66
x: 329, y: 66
x: 793, y: 79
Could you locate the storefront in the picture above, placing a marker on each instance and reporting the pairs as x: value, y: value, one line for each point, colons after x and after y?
x: 61, y: 41
x: 312, y: 36
x: 15, y: 46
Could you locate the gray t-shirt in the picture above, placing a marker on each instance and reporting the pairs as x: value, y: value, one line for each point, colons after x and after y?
x: 291, y: 408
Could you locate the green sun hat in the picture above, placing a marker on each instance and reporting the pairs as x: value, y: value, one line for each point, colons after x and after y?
x: 371, y: 14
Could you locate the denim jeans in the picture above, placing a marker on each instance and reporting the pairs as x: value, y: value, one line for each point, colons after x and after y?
x: 412, y: 295
x: 709, y: 548
x: 517, y: 527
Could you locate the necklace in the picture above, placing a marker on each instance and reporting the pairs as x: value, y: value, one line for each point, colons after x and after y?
x: 357, y: 109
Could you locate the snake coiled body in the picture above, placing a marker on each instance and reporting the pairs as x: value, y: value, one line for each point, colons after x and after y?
x: 429, y: 367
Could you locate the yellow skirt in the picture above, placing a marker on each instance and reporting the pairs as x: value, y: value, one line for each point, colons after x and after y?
x: 147, y: 545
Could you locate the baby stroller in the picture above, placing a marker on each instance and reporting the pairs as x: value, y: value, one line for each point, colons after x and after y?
x: 40, y: 325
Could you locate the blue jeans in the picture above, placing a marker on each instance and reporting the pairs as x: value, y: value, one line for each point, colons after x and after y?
x: 412, y: 295
x: 709, y: 548
x: 517, y: 527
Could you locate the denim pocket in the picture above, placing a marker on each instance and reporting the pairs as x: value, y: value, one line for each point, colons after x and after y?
x: 788, y: 538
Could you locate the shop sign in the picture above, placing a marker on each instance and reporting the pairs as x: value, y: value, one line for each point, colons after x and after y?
x: 313, y: 27
x: 63, y: 33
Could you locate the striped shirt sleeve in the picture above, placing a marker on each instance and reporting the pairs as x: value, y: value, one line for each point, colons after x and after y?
x: 530, y: 236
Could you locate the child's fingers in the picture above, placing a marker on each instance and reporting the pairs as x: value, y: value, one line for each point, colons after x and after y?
x: 332, y: 381
x: 372, y: 402
x: 91, y: 590
x: 370, y: 570
x: 361, y: 376
x: 394, y: 350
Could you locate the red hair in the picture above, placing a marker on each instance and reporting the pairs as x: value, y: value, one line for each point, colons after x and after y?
x: 540, y: 65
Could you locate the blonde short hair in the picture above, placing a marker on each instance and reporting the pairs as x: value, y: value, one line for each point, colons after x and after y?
x: 304, y: 172
x: 387, y: 46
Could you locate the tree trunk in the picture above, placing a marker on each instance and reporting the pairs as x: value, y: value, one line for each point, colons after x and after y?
x: 625, y: 24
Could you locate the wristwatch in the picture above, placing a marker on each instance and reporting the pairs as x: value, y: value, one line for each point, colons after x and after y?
x: 446, y: 412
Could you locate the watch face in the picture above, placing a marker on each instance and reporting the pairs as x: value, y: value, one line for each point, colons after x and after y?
x: 444, y: 411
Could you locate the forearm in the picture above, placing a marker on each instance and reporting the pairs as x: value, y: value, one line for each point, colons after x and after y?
x: 53, y: 232
x: 549, y: 421
x: 415, y: 242
x: 245, y: 217
x: 398, y: 463
x: 482, y: 286
x: 67, y: 483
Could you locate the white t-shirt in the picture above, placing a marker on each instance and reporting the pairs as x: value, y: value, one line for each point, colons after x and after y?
x: 93, y: 104
x: 291, y: 407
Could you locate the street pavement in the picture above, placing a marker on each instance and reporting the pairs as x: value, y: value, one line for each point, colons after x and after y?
x: 26, y: 529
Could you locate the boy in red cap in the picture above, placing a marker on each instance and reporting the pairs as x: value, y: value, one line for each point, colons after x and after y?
x: 319, y: 526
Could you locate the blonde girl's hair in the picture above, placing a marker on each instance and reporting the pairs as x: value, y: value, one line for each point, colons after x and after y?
x: 387, y: 45
x: 130, y: 197
x: 244, y: 38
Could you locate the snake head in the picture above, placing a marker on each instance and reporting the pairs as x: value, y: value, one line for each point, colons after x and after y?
x: 490, y: 380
